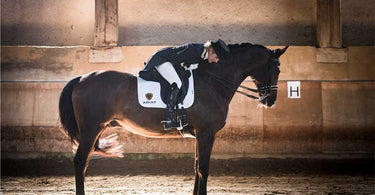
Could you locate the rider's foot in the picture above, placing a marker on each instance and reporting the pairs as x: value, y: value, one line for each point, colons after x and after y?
x: 181, y: 117
x: 168, y: 125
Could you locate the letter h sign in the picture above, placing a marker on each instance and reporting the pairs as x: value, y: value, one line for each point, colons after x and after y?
x: 294, y: 89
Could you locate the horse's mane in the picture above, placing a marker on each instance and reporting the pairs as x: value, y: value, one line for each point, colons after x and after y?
x: 245, y: 45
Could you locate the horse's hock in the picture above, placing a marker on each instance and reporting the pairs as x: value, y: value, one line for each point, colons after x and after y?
x: 333, y: 116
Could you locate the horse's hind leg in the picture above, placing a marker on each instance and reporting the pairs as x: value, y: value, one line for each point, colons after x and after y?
x: 88, y: 136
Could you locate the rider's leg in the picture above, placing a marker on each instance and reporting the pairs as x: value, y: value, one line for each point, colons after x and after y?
x: 168, y: 72
x: 170, y: 121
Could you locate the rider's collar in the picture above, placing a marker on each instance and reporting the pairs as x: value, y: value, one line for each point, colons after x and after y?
x: 205, y: 54
x: 205, y: 51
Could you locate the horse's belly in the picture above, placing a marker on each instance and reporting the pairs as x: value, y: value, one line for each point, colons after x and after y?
x: 148, y: 131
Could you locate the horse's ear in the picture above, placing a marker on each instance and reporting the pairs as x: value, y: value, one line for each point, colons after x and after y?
x: 283, y: 50
x: 278, y: 52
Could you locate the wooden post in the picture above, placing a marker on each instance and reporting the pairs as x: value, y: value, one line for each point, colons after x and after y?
x: 106, y: 33
x: 106, y: 23
x: 329, y: 23
x: 329, y: 34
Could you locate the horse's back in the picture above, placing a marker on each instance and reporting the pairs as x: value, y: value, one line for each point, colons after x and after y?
x: 106, y: 81
x: 107, y: 76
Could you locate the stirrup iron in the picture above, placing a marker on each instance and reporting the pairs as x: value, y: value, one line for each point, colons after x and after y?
x: 181, y: 125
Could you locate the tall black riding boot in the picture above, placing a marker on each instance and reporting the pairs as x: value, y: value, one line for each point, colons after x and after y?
x: 181, y: 117
x: 170, y: 122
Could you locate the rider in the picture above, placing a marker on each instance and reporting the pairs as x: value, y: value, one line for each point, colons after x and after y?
x: 187, y: 56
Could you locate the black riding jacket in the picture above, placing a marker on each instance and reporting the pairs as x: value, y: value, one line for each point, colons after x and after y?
x: 183, y: 55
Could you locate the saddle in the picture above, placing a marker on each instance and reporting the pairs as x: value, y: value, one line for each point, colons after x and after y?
x: 153, y: 89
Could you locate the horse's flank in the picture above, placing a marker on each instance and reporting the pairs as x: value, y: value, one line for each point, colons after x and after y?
x: 114, y: 96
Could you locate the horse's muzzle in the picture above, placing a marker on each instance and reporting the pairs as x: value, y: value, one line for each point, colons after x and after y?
x: 269, y: 100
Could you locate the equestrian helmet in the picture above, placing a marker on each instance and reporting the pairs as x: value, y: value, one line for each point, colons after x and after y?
x: 221, y: 49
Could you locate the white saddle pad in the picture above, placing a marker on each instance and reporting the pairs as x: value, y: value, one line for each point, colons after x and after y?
x: 149, y: 94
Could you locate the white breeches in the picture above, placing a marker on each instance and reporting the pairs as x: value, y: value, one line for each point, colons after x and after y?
x: 168, y: 72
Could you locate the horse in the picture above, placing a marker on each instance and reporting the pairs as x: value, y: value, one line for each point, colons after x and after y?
x: 91, y: 103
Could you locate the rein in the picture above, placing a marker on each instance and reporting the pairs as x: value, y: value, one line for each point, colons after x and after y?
x: 233, y: 86
x: 261, y: 90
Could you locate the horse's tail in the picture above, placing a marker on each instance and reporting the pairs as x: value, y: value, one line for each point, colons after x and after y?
x: 66, y: 111
x: 278, y: 52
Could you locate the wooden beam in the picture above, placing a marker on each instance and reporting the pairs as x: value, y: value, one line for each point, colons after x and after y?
x: 329, y: 23
x: 332, y: 55
x: 105, y: 55
x: 106, y: 33
x: 106, y: 23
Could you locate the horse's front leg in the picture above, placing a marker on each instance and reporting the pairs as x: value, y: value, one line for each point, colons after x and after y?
x: 204, y: 143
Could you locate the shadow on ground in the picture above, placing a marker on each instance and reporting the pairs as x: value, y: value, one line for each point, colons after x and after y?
x: 230, y: 167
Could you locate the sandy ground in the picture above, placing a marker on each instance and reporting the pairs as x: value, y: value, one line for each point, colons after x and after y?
x: 240, y: 176
x: 179, y: 184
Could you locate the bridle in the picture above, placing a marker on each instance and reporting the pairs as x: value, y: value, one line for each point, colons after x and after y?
x: 263, y: 91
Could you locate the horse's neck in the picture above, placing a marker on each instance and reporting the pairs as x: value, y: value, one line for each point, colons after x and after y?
x: 226, y: 80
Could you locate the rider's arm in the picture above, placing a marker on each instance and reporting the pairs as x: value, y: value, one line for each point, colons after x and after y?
x: 187, y: 54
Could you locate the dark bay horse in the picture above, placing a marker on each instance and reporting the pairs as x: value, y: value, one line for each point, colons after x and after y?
x: 90, y: 103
